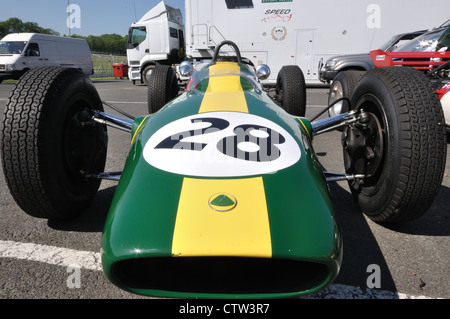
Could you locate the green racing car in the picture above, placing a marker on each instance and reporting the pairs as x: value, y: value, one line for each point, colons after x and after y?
x: 222, y: 194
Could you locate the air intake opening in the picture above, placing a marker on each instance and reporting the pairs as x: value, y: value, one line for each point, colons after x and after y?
x: 221, y: 275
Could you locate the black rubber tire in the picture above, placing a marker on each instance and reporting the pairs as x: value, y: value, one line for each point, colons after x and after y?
x: 291, y: 90
x: 162, y: 87
x: 343, y: 85
x: 45, y: 149
x: 414, y: 153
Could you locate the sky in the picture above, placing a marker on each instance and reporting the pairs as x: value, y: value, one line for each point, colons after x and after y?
x: 97, y: 17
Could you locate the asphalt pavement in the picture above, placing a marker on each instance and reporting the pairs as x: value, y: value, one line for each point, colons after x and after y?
x: 37, y: 255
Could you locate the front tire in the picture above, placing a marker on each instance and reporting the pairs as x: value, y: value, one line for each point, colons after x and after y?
x: 48, y: 146
x: 291, y: 90
x: 162, y: 87
x: 404, y: 160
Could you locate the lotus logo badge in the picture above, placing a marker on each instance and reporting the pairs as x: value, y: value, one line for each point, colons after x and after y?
x: 222, y: 202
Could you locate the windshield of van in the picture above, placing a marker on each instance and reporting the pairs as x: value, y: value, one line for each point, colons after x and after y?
x: 12, y: 47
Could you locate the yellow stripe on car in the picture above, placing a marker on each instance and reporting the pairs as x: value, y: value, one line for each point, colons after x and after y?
x: 304, y: 126
x: 140, y: 127
x: 202, y: 230
x: 239, y: 226
x: 224, y: 92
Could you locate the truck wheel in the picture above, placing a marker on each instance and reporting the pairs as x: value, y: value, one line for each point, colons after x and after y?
x: 343, y: 85
x: 291, y: 90
x: 162, y: 87
x: 400, y: 147
x: 146, y: 73
x: 48, y: 144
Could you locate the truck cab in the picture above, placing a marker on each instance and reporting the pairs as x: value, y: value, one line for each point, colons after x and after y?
x: 158, y: 37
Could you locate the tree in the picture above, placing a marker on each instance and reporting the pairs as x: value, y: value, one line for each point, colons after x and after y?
x: 106, y: 43
x: 15, y: 25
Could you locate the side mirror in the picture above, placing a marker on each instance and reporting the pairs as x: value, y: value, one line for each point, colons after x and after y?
x: 186, y: 68
x: 263, y: 71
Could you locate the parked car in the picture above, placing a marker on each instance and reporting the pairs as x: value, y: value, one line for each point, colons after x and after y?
x: 20, y: 52
x: 345, y: 80
x: 362, y: 61
x: 428, y: 54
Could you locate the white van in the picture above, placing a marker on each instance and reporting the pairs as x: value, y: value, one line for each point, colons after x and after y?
x: 20, y: 52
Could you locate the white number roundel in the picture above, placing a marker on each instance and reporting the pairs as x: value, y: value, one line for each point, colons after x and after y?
x: 221, y: 144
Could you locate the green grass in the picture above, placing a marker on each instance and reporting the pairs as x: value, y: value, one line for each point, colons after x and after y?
x: 103, y: 63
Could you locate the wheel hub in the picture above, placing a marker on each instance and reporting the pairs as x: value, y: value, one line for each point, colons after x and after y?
x: 83, y: 141
x: 363, y: 145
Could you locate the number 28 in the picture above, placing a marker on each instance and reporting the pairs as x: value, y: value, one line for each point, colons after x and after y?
x: 249, y: 142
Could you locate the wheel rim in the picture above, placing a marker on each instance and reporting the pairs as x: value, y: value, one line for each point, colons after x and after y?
x: 80, y: 145
x: 376, y: 146
x: 279, y: 92
x: 336, y: 92
x: 147, y: 72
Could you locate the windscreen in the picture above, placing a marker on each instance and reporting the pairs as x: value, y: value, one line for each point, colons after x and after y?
x: 136, y: 36
x: 12, y: 47
x: 445, y: 24
x: 427, y: 42
x: 201, y: 77
x: 398, y: 41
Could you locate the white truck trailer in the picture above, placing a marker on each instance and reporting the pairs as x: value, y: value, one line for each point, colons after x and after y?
x: 303, y: 33
x: 158, y: 37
